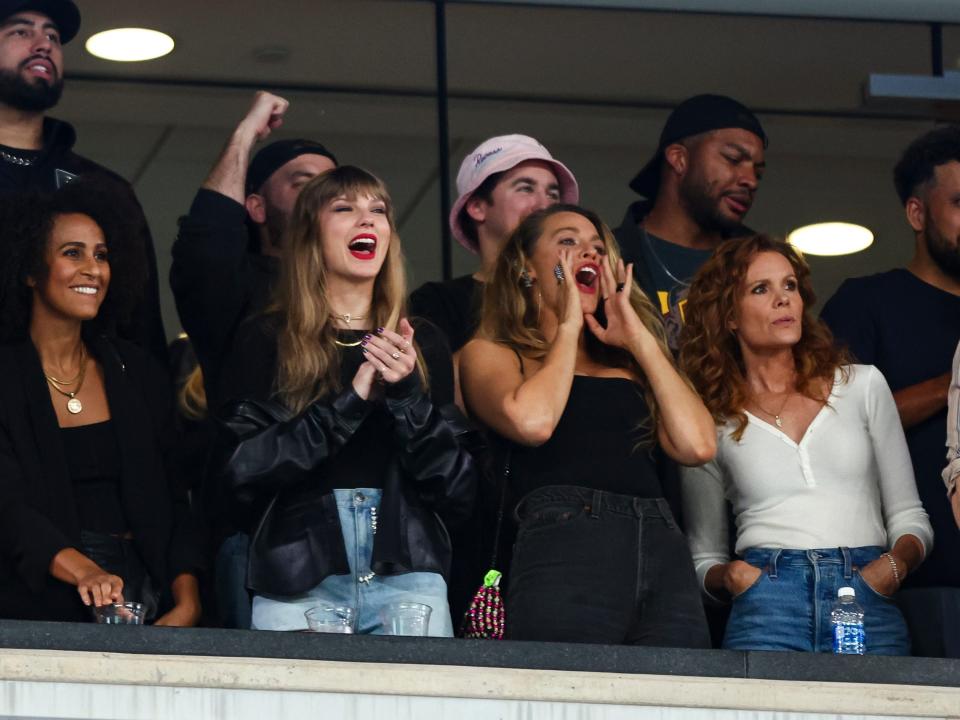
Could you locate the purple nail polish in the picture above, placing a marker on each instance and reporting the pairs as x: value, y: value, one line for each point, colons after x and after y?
x: 363, y: 349
x: 367, y: 336
x: 379, y: 331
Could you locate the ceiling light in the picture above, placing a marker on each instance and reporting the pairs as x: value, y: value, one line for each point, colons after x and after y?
x: 831, y: 238
x: 129, y: 44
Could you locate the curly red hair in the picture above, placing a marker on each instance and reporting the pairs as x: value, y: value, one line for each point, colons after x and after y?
x: 710, y: 351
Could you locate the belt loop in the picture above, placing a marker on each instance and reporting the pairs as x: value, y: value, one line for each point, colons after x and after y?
x: 666, y: 513
x: 847, y: 564
x: 595, y: 504
x: 772, y: 564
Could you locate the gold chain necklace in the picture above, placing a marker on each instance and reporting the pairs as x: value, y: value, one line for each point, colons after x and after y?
x: 776, y: 416
x: 343, y: 344
x: 74, y: 406
x: 347, y: 317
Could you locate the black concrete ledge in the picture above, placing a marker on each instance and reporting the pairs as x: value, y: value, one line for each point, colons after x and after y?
x: 478, y: 653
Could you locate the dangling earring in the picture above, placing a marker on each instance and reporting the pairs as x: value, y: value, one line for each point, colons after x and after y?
x: 539, y: 305
x: 525, y: 281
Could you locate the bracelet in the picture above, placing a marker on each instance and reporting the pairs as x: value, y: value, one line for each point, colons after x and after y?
x: 893, y: 564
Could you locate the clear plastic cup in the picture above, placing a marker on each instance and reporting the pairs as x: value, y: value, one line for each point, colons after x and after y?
x: 409, y: 618
x: 125, y: 613
x: 331, y: 619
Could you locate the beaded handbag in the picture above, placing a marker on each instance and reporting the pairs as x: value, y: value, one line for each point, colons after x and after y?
x: 486, y: 616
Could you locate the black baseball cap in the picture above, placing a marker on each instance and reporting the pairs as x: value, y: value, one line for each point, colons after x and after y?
x: 272, y: 157
x: 63, y: 12
x: 693, y: 116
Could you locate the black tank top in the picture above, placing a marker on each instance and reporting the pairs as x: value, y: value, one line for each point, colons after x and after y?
x: 604, y: 441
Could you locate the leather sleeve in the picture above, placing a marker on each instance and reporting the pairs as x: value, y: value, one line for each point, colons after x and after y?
x: 261, y: 452
x: 433, y: 453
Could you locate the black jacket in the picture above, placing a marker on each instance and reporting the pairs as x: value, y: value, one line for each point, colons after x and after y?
x: 38, y: 515
x: 217, y: 281
x: 58, y: 165
x: 272, y: 470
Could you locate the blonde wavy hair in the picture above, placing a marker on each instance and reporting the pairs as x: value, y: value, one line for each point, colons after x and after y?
x: 710, y: 351
x: 308, y: 365
x: 510, y: 314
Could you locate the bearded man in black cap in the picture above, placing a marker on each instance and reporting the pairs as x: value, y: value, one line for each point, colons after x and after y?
x: 225, y: 257
x: 36, y: 151
x: 699, y: 187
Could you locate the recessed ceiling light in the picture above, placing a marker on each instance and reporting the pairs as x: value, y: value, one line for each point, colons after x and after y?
x: 831, y: 238
x: 129, y: 44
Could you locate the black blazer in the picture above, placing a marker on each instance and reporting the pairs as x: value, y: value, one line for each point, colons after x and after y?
x: 38, y: 515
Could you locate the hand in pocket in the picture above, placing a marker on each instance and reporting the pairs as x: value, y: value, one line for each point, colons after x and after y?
x: 740, y: 576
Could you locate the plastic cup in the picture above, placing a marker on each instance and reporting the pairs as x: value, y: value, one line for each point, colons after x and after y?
x: 331, y: 619
x: 126, y: 613
x: 411, y: 619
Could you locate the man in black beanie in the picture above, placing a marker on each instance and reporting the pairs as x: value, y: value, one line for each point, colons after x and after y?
x: 699, y: 187
x: 225, y: 257
x: 36, y: 151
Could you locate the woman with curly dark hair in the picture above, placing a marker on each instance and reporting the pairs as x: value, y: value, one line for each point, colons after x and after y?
x: 87, y: 516
x: 810, y: 453
x: 571, y: 369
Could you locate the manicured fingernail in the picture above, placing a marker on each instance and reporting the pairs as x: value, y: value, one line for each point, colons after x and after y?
x: 367, y: 336
x: 379, y: 331
x: 363, y: 349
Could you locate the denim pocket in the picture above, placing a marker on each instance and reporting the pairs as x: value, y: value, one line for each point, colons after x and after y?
x: 751, y: 586
x: 868, y: 588
x: 550, y: 515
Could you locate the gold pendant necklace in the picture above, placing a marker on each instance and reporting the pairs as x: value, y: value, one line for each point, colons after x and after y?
x: 347, y: 318
x: 74, y: 406
x: 776, y: 416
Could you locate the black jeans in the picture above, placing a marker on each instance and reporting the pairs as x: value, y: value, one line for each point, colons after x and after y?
x: 119, y: 556
x: 592, y: 566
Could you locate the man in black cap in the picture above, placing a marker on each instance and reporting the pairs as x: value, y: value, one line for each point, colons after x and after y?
x: 698, y: 186
x: 225, y: 255
x: 36, y: 152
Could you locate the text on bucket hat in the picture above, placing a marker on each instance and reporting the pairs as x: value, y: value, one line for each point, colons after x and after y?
x: 496, y: 155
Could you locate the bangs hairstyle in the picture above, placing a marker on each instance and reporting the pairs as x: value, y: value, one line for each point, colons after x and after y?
x: 28, y: 219
x: 308, y: 365
x: 709, y: 349
x: 510, y: 313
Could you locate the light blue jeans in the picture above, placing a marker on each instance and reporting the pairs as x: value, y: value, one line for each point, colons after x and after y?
x: 788, y: 607
x: 363, y: 590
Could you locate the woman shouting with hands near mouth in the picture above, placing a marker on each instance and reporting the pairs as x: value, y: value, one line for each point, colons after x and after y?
x: 571, y: 369
x: 341, y: 466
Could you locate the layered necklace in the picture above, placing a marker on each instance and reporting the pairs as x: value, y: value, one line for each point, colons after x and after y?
x: 74, y: 406
x: 347, y: 318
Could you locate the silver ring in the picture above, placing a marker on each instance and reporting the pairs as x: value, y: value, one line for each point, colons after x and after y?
x: 395, y: 355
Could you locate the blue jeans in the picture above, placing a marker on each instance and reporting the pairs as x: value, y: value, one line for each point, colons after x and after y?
x: 788, y: 607
x: 363, y: 590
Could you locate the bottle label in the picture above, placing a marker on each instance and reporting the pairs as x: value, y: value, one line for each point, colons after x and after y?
x: 848, y: 638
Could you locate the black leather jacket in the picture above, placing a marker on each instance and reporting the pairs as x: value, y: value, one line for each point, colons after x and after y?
x: 272, y: 469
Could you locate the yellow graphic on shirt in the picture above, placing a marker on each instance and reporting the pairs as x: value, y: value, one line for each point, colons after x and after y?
x: 665, y: 309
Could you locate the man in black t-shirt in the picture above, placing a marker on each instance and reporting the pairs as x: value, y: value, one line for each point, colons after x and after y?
x: 906, y: 321
x: 36, y: 151
x: 500, y: 182
x: 699, y: 187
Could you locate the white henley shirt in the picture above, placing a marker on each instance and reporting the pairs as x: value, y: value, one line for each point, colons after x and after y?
x: 848, y: 483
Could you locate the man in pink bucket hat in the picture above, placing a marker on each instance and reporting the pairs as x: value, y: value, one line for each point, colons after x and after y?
x: 500, y: 182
